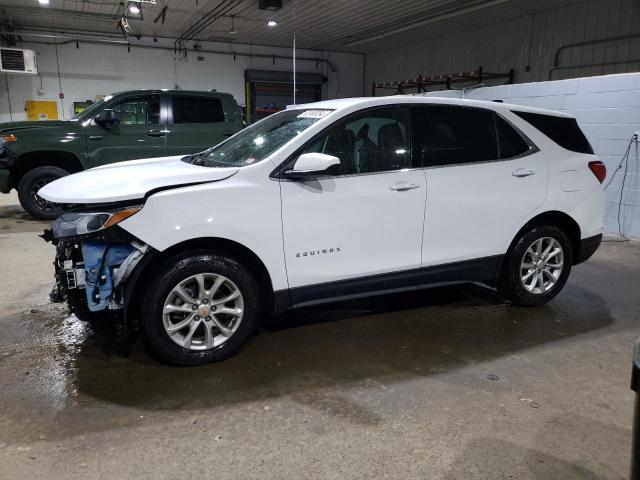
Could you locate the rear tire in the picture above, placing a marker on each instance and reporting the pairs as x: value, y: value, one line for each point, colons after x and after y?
x: 537, y: 266
x: 200, y: 309
x: 28, y: 187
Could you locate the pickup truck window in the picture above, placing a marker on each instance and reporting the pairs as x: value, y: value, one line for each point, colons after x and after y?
x: 139, y: 110
x: 197, y: 110
x: 257, y: 142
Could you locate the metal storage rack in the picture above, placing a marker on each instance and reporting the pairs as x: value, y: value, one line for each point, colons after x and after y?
x: 422, y: 83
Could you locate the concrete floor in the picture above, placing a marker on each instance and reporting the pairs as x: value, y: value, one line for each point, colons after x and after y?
x: 441, y: 384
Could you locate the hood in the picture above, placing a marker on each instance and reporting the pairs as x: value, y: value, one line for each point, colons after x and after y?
x: 131, y: 180
x: 13, y: 126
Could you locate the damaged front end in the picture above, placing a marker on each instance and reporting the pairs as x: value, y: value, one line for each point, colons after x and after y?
x: 94, y: 260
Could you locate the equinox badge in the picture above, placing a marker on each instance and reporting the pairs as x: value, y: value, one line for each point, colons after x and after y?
x: 324, y: 251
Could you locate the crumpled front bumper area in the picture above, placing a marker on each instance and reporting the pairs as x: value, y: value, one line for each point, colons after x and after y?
x: 99, y: 267
x: 100, y: 258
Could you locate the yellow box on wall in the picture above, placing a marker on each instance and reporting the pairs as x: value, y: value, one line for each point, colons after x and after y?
x: 41, y: 110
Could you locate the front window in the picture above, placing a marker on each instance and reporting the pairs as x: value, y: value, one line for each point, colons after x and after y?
x: 92, y: 109
x: 375, y: 140
x: 144, y: 110
x: 258, y: 141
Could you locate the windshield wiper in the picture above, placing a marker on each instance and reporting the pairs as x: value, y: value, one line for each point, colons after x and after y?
x: 195, y: 158
x: 200, y: 159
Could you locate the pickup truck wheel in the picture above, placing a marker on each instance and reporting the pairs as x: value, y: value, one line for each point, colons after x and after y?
x: 28, y: 187
x: 537, y: 267
x: 200, y: 309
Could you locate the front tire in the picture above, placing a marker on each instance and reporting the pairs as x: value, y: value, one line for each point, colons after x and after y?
x: 200, y: 309
x: 28, y: 187
x: 537, y: 266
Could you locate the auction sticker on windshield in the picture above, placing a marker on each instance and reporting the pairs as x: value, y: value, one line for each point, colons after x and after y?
x: 314, y: 113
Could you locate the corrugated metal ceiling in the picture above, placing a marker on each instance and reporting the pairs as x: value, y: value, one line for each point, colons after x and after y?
x: 341, y: 25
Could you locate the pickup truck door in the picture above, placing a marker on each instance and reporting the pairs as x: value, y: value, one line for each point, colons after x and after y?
x: 141, y: 132
x: 197, y: 122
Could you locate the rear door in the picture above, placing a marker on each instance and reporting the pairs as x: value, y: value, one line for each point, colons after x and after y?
x: 140, y: 133
x: 483, y: 180
x: 197, y: 122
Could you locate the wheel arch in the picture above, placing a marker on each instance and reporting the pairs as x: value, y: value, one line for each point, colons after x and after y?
x: 153, y: 262
x: 44, y: 158
x: 559, y: 219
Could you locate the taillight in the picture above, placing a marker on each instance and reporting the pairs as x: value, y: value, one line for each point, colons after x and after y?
x: 599, y: 170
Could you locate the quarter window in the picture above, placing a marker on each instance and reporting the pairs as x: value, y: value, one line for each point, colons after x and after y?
x: 197, y: 110
x: 510, y: 141
x: 375, y: 140
x: 461, y: 135
x: 139, y: 110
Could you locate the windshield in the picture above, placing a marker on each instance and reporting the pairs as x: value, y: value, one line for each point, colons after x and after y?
x: 91, y: 109
x: 258, y: 141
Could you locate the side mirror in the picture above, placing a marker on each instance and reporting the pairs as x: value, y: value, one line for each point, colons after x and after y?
x: 310, y: 165
x: 106, y: 118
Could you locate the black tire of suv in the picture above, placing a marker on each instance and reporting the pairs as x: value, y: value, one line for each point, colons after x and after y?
x: 509, y: 283
x: 29, y: 181
x: 156, y: 339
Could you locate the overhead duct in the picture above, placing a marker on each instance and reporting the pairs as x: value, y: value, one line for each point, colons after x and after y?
x: 270, y: 5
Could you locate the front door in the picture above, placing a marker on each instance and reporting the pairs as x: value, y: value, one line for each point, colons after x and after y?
x: 483, y: 180
x: 359, y: 228
x: 139, y: 134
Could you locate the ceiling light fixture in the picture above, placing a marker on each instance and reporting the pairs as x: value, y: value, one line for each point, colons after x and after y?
x: 232, y: 31
x: 272, y: 23
x: 134, y: 9
x: 43, y: 2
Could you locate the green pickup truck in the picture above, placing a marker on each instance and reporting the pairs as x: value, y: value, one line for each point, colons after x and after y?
x: 122, y: 126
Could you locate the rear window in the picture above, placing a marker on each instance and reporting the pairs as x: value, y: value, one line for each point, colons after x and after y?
x: 461, y: 135
x: 562, y: 130
x: 197, y: 110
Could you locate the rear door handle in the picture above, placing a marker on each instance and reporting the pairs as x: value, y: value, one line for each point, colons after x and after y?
x: 228, y: 134
x: 523, y: 172
x: 403, y: 187
x: 95, y: 137
x: 157, y: 133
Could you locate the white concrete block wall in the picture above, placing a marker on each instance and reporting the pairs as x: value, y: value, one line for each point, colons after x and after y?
x: 102, y: 69
x: 608, y: 111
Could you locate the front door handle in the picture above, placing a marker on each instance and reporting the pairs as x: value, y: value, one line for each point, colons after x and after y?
x: 228, y: 134
x: 403, y: 187
x: 95, y: 137
x: 157, y: 133
x: 523, y: 172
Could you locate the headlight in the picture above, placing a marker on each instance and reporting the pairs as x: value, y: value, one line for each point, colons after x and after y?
x: 71, y: 224
x: 10, y: 138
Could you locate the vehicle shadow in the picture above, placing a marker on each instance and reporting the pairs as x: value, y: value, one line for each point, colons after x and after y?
x: 381, y: 340
x: 13, y: 219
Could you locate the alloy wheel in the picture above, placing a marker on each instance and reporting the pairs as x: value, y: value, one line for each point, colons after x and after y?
x: 203, y: 311
x: 542, y: 265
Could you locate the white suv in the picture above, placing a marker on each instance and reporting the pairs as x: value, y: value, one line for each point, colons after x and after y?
x: 326, y: 201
